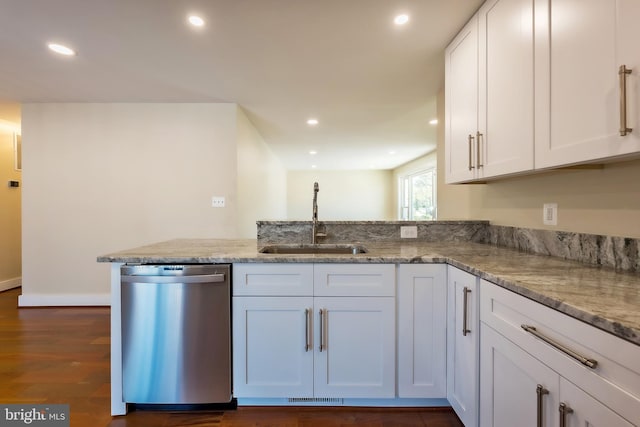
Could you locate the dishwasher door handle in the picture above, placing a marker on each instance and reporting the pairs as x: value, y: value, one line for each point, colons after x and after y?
x: 205, y: 278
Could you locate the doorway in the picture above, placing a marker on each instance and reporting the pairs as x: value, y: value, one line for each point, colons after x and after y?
x: 10, y: 197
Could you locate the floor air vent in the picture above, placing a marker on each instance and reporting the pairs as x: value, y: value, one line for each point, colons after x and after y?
x: 317, y: 400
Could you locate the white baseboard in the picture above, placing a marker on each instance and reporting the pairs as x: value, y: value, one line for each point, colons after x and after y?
x: 10, y: 284
x: 62, y: 300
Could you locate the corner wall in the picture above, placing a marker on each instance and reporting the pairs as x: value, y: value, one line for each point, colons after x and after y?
x: 104, y: 177
x: 262, y: 180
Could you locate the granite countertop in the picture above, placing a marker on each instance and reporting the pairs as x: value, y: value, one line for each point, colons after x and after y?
x: 602, y: 297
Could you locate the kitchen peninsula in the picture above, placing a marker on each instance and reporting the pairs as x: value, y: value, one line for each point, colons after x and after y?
x: 601, y: 299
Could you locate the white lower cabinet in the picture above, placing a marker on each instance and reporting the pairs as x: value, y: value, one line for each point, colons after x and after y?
x: 516, y: 387
x: 463, y: 344
x: 316, y: 347
x: 354, y: 351
x: 510, y: 377
x: 271, y: 357
x: 587, y: 378
x: 580, y: 409
x: 422, y: 337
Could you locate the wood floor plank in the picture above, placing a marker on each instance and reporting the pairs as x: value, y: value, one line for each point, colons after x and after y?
x: 61, y: 355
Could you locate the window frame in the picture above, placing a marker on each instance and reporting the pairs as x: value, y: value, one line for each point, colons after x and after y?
x: 406, y: 194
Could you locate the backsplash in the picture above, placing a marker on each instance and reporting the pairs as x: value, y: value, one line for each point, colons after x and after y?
x: 270, y: 232
x: 621, y: 253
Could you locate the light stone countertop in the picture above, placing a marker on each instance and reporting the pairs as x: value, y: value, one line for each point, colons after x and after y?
x: 602, y: 297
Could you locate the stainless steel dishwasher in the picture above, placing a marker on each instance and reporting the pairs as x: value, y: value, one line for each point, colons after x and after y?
x: 176, y: 334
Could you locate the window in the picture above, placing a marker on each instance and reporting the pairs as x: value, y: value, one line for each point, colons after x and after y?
x: 418, y: 196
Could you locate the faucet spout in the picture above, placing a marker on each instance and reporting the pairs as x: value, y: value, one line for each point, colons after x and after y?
x: 316, y: 188
x: 314, y: 217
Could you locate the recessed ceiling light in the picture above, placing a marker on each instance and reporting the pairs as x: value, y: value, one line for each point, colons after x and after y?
x: 313, y: 152
x: 433, y: 122
x: 196, y: 21
x: 61, y: 49
x: 312, y: 122
x: 392, y: 152
x: 401, y: 19
x: 313, y: 166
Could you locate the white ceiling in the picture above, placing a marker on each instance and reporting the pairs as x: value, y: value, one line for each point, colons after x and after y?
x: 371, y: 84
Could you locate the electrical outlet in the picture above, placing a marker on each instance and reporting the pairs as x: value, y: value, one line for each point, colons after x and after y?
x: 217, y: 201
x: 409, y: 232
x: 550, y: 214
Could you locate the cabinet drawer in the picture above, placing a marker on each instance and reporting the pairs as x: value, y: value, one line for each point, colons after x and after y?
x: 272, y: 279
x: 615, y: 380
x: 354, y: 280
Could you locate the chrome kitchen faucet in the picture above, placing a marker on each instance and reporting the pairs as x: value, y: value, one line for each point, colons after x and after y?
x: 314, y: 225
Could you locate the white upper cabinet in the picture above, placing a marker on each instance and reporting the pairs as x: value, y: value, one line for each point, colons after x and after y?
x: 536, y: 84
x: 578, y: 85
x: 461, y: 104
x: 489, y: 93
x: 505, y: 100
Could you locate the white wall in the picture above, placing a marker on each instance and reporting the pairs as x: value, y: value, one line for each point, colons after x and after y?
x: 344, y: 195
x: 105, y: 177
x: 262, y: 180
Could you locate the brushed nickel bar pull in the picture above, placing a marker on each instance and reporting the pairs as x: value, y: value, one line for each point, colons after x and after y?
x: 321, y: 330
x: 159, y: 280
x: 465, y: 308
x: 564, y: 411
x: 585, y: 361
x: 478, y: 149
x: 307, y: 334
x: 540, y: 393
x: 471, y: 138
x: 622, y: 73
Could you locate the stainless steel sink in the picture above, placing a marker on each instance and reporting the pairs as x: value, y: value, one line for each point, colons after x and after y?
x: 321, y: 248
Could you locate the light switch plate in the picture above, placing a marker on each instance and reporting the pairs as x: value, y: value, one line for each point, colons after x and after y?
x: 550, y: 214
x: 217, y: 201
x: 408, y: 232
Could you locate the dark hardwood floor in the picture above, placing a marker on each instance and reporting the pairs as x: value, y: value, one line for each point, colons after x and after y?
x: 61, y: 355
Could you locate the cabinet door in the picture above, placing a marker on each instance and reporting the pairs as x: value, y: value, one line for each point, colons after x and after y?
x: 270, y: 354
x: 461, y: 104
x: 577, y: 78
x: 628, y: 34
x: 422, y: 338
x: 584, y: 410
x: 355, y: 347
x: 509, y: 378
x: 505, y: 98
x: 463, y: 351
